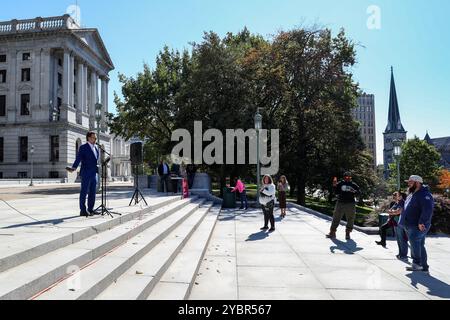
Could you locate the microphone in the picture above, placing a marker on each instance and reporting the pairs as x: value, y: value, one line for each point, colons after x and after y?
x: 100, y: 146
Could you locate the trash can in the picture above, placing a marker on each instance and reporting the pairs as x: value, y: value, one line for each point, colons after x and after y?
x: 383, y: 218
x: 229, y: 199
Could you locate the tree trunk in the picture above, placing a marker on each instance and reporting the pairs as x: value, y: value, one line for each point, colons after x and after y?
x: 222, y: 180
x: 301, y: 194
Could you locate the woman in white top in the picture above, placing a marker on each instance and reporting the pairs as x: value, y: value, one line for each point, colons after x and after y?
x: 267, y: 201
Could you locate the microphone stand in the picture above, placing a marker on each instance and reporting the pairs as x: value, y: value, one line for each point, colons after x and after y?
x: 102, y: 209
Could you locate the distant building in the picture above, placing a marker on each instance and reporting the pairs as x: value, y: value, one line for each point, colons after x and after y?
x: 443, y: 146
x: 394, y: 130
x: 365, y: 114
x: 120, y: 160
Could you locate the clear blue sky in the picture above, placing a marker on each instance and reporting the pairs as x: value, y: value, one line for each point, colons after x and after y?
x: 414, y: 38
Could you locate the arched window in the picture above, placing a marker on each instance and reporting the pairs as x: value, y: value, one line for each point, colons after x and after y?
x: 77, y: 146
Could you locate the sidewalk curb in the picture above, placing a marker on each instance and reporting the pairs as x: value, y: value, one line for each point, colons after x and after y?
x: 366, y: 230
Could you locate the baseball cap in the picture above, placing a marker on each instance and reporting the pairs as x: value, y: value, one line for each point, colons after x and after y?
x: 415, y: 179
x: 348, y: 174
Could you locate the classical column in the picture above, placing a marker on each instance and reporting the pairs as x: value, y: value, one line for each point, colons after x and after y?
x: 84, y: 89
x: 80, y: 105
x: 36, y: 78
x: 71, y: 80
x: 104, y: 102
x: 45, y: 80
x: 13, y: 99
x: 66, y: 79
x: 94, y: 97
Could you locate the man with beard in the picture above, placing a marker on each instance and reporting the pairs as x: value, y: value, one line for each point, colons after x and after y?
x: 346, y: 191
x: 416, y: 220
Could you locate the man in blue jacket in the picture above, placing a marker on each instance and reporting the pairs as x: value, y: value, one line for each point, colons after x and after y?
x: 88, y: 157
x: 416, y: 219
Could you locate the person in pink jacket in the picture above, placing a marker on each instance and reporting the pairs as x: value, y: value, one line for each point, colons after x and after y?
x: 240, y: 187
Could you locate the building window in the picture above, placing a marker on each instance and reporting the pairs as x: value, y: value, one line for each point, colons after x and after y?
x: 26, y: 56
x: 60, y: 79
x: 54, y: 149
x: 2, y: 76
x: 74, y: 88
x: 1, y: 175
x: 54, y: 175
x: 22, y: 175
x: 26, y: 74
x: 2, y: 58
x: 60, y: 62
x: 1, y: 149
x: 2, y: 106
x: 23, y: 149
x: 25, y: 104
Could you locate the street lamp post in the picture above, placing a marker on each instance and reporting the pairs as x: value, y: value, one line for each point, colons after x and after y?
x: 397, y: 155
x: 98, y: 118
x: 31, y: 153
x: 258, y: 127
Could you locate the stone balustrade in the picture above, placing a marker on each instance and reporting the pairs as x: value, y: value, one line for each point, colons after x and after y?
x: 38, y: 24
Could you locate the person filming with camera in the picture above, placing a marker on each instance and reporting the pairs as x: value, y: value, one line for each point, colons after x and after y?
x: 346, y: 191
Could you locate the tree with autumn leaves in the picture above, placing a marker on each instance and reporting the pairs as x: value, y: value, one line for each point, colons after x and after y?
x: 444, y: 182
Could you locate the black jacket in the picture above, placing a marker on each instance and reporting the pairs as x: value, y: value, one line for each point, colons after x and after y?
x: 346, y: 191
x: 191, y: 169
x: 161, y: 169
x: 175, y: 169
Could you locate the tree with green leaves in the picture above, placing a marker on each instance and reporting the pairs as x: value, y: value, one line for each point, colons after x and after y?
x: 417, y: 158
x: 148, y: 108
x: 301, y: 80
x: 318, y: 94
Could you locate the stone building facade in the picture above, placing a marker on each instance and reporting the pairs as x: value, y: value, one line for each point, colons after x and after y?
x: 52, y: 75
x: 365, y: 114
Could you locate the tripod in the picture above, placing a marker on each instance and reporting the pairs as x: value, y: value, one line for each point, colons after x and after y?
x: 137, y: 193
x: 102, y: 209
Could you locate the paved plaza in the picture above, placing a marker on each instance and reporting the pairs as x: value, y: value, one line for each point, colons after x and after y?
x: 298, y: 262
x: 295, y: 262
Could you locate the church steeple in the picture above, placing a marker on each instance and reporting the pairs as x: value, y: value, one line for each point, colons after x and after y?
x: 394, y: 130
x: 428, y: 139
x: 394, y: 121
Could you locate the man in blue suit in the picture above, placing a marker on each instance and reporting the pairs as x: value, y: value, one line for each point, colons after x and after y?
x: 88, y: 157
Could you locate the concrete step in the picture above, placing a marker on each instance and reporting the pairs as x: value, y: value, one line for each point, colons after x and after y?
x: 28, y: 279
x: 139, y: 280
x: 95, y: 277
x: 177, y: 281
x: 64, y: 237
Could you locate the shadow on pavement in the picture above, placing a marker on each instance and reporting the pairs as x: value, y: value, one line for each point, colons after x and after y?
x: 435, y: 286
x: 349, y: 247
x: 257, y: 236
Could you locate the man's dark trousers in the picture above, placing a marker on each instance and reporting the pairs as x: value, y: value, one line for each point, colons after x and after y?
x: 88, y: 188
x: 89, y: 170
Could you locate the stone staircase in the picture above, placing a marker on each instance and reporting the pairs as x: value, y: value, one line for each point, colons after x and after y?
x: 154, y: 253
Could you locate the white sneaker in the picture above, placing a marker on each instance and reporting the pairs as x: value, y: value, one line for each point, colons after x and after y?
x: 414, y: 267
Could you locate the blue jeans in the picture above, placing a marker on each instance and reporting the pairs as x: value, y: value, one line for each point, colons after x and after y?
x: 417, y: 241
x: 243, y: 197
x: 88, y: 188
x: 402, y: 241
